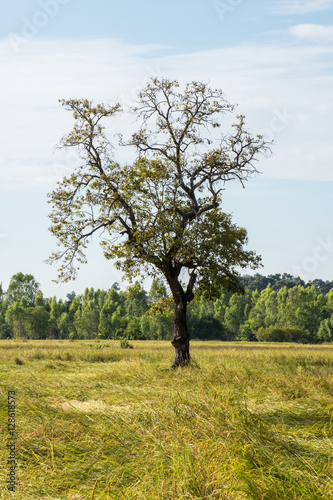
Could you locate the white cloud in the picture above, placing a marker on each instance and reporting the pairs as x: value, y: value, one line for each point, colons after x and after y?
x: 282, y: 90
x: 315, y: 32
x: 293, y: 7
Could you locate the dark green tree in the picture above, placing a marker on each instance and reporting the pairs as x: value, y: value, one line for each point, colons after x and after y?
x: 322, y: 286
x: 207, y: 328
x: 37, y: 322
x: 70, y: 297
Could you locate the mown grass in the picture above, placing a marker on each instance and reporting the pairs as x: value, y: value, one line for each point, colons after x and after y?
x: 243, y: 421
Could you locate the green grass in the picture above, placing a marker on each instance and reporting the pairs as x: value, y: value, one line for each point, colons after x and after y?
x: 243, y: 421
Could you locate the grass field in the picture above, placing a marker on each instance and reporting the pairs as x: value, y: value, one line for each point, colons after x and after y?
x: 244, y: 421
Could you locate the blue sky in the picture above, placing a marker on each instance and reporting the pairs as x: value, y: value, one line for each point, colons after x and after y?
x: 274, y: 59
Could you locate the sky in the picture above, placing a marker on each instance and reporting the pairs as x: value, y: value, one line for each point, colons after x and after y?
x: 274, y: 59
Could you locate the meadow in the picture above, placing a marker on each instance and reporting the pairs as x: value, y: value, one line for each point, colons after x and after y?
x: 94, y: 421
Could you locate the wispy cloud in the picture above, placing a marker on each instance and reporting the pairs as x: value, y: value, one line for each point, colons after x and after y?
x: 315, y: 32
x: 293, y: 7
x: 283, y: 91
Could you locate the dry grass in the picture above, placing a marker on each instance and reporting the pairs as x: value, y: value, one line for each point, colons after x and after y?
x: 244, y: 421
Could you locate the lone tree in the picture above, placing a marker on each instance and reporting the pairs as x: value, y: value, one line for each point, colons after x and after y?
x: 161, y: 214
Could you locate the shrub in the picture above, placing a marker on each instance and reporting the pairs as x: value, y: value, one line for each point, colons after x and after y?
x: 247, y: 333
x: 124, y: 344
x: 273, y: 334
x: 133, y: 329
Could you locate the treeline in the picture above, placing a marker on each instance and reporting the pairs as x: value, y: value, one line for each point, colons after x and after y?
x: 274, y: 308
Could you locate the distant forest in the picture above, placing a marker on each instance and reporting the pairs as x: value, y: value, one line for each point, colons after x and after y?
x: 278, y: 308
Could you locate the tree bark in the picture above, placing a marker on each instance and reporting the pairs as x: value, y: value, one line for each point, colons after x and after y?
x: 181, y: 338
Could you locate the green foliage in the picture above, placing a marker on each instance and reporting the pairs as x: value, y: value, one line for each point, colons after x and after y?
x: 37, y: 322
x: 157, y: 291
x: 5, y: 332
x: 297, y: 314
x: 136, y: 303
x: 161, y: 213
x: 4, y: 327
x: 157, y: 326
x: 15, y: 319
x: 272, y: 334
x: 247, y: 333
x: 278, y: 281
x: 237, y: 313
x: 39, y: 299
x: 133, y: 329
x: 65, y: 325
x: 89, y: 320
x: 207, y: 328
x: 70, y: 297
x: 325, y: 332
x: 124, y: 344
x: 22, y: 286
x: 113, y: 319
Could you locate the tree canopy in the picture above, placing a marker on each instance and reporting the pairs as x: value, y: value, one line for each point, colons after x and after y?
x: 22, y: 286
x: 161, y: 214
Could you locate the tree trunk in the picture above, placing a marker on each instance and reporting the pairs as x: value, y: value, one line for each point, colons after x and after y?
x: 181, y: 339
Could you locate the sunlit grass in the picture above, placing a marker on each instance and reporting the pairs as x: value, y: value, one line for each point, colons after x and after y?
x: 244, y: 421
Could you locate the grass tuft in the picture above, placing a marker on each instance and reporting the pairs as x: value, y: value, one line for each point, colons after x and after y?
x: 19, y: 361
x: 124, y: 344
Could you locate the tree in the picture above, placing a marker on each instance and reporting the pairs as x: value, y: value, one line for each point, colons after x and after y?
x: 65, y: 325
x: 70, y: 297
x: 136, y: 303
x: 286, y: 279
x: 16, y: 319
x: 322, y: 286
x: 110, y: 314
x: 157, y: 325
x: 159, y: 215
x: 39, y: 299
x: 37, y: 322
x: 4, y: 329
x: 304, y: 308
x: 115, y: 286
x: 207, y: 328
x: 157, y: 291
x: 88, y: 322
x: 259, y: 315
x: 22, y: 286
x: 256, y: 282
x: 237, y: 312
x: 325, y: 331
